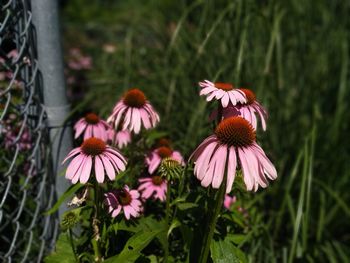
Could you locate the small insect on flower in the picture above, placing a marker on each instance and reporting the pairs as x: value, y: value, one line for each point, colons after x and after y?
x: 248, y: 110
x: 91, y: 126
x: 224, y: 92
x: 124, y: 199
x: 232, y: 145
x: 133, y: 111
x: 154, y: 159
x: 119, y: 138
x: 94, y: 153
x: 153, y: 187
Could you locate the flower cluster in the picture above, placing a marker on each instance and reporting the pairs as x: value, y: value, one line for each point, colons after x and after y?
x: 98, y: 156
x: 233, y: 145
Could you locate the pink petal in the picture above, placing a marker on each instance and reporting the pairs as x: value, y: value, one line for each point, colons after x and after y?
x: 73, y: 167
x: 72, y: 153
x: 117, y: 211
x: 202, y: 163
x: 137, y: 120
x: 85, y: 173
x: 79, y: 127
x: 231, y: 169
x: 225, y: 100
x: 88, y: 132
x: 248, y: 178
x: 108, y: 167
x: 76, y: 177
x: 220, y: 160
x: 127, y: 210
x: 155, y: 162
x: 99, y: 170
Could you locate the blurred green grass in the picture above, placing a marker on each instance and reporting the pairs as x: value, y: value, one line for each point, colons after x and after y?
x: 293, y: 54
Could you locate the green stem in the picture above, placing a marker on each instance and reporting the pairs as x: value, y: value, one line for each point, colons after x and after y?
x: 167, y: 217
x: 219, y: 198
x: 70, y: 234
x: 95, y: 226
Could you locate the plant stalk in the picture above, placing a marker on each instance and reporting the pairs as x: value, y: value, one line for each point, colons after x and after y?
x: 70, y: 234
x: 219, y: 198
x: 95, y: 225
x: 167, y: 217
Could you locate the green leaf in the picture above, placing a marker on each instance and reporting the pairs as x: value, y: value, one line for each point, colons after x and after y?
x: 176, y: 223
x: 63, y: 251
x: 223, y: 251
x: 236, y: 238
x: 185, y: 206
x: 71, y: 190
x: 134, y: 246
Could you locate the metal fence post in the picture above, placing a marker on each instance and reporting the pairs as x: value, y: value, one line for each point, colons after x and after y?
x: 46, y: 21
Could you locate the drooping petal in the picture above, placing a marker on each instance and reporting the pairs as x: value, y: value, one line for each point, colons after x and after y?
x: 248, y: 178
x: 202, y: 164
x: 79, y: 128
x: 85, y: 173
x: 99, y: 170
x: 220, y: 159
x: 73, y: 167
x: 155, y: 162
x: 231, y: 169
x: 72, y: 153
x: 108, y: 167
x: 116, y: 211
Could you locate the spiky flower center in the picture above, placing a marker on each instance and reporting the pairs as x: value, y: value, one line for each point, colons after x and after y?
x: 250, y: 95
x: 157, y: 180
x: 135, y: 98
x: 163, y: 142
x: 93, y: 146
x: 69, y: 220
x: 124, y: 197
x: 223, y: 86
x: 92, y: 118
x: 235, y: 131
x: 164, y: 151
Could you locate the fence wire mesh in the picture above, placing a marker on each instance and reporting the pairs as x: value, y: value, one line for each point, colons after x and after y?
x: 26, y: 183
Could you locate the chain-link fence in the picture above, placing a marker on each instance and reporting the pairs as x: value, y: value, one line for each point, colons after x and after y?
x: 27, y: 186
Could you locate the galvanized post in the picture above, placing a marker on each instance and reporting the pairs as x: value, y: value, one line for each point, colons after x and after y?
x: 50, y: 59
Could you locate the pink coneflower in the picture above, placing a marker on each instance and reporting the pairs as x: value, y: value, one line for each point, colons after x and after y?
x: 225, y: 92
x: 229, y: 200
x: 119, y: 138
x: 91, y: 126
x: 94, y: 153
x: 248, y: 110
x: 232, y: 145
x: 154, y: 159
x: 125, y: 199
x: 154, y: 186
x: 132, y: 111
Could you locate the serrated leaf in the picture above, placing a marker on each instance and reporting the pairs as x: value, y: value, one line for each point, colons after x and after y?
x: 132, y: 249
x: 236, y: 238
x: 223, y: 251
x: 176, y: 223
x: 63, y: 251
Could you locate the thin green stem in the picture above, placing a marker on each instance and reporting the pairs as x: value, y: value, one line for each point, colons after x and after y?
x: 167, y: 220
x: 219, y: 198
x: 70, y: 235
x: 95, y: 225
